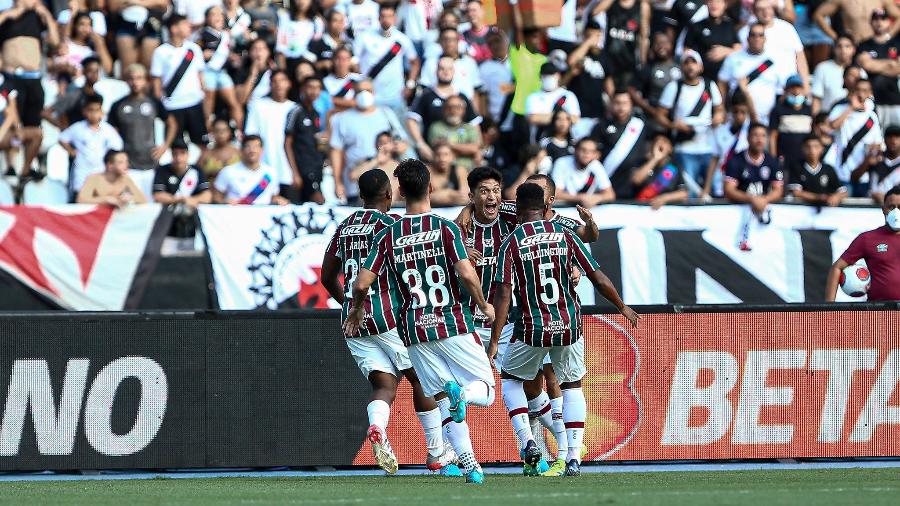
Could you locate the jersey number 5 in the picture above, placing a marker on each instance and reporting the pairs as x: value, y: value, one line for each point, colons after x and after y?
x: 549, y: 285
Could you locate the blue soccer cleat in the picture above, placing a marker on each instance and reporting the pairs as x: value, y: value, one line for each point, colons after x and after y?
x: 457, y: 401
x: 475, y: 476
x: 451, y: 471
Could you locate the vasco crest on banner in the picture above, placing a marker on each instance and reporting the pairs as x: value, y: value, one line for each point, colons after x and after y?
x: 287, y: 261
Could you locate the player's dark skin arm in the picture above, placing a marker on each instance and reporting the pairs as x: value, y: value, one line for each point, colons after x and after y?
x: 331, y: 269
x: 589, y: 232
x: 608, y: 291
x: 364, y: 281
x: 502, y: 301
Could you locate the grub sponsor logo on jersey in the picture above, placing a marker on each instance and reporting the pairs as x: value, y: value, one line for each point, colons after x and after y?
x: 364, y: 229
x: 543, y: 237
x: 287, y: 262
x: 420, y: 238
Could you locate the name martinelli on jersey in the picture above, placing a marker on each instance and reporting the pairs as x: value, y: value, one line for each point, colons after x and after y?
x: 418, y: 255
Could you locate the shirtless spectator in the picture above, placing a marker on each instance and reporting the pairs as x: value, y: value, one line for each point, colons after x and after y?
x: 113, y: 186
x: 854, y: 17
x: 22, y: 29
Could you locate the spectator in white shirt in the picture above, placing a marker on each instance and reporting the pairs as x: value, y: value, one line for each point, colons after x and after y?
x: 362, y: 15
x: 177, y: 72
x: 248, y: 182
x: 828, y: 79
x: 296, y: 29
x: 466, y: 78
x: 267, y: 118
x: 782, y: 41
x: 540, y: 105
x: 88, y: 140
x: 383, y: 56
x: 195, y: 10
x: 496, y: 75
x: 755, y: 72
x: 581, y: 178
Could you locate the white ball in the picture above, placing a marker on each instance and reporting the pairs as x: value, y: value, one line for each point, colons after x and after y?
x: 855, y: 280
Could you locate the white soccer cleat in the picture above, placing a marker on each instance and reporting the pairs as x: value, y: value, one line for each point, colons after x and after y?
x: 381, y: 448
x: 447, y: 457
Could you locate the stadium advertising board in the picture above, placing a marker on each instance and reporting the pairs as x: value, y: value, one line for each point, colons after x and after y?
x: 82, y: 391
x: 270, y: 257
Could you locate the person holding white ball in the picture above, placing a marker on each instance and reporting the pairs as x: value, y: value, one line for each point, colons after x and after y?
x: 880, y: 248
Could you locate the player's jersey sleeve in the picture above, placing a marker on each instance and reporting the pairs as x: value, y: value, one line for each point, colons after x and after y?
x: 581, y: 255
x: 509, y: 212
x: 856, y: 250
x: 453, y: 244
x: 505, y: 262
x: 568, y: 223
x: 378, y: 256
x: 332, y: 248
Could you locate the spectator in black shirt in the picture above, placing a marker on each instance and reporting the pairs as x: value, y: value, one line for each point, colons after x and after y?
x: 627, y: 37
x: 648, y: 84
x: 755, y: 177
x: 814, y: 182
x: 322, y: 48
x: 681, y: 15
x: 790, y: 122
x: 591, y: 79
x: 883, y: 164
x: 878, y: 57
x: 302, y: 141
x: 659, y: 181
x: 714, y: 38
x: 623, y: 142
x: 182, y: 187
x: 558, y: 142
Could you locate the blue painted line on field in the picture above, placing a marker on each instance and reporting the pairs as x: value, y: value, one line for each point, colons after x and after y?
x: 587, y: 468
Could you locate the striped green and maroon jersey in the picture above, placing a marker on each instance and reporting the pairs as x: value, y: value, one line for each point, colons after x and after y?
x: 537, y: 260
x: 486, y: 239
x: 420, y: 253
x: 508, y: 213
x: 351, y: 244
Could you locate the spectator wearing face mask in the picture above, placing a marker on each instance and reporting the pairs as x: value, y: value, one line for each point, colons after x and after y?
x: 541, y: 105
x: 790, y: 123
x: 463, y: 138
x: 353, y: 135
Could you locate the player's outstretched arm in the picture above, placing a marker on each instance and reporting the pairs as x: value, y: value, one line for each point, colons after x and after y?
x: 364, y: 280
x: 502, y: 301
x: 331, y: 268
x: 606, y: 288
x: 470, y: 280
x: 834, y: 275
x: 589, y: 232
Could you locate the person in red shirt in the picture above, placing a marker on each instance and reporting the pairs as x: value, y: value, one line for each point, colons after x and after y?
x: 881, y: 250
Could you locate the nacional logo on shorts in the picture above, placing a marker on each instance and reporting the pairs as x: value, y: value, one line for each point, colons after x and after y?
x: 420, y: 238
x: 541, y: 238
x: 287, y: 261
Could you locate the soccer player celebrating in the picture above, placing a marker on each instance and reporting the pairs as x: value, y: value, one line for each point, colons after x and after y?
x: 537, y: 258
x: 425, y: 257
x: 377, y: 348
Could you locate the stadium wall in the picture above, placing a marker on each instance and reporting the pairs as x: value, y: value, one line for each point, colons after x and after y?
x: 240, y: 389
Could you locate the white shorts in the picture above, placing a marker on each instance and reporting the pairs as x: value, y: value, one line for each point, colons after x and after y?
x: 524, y: 362
x: 505, y: 334
x: 459, y: 358
x: 383, y: 352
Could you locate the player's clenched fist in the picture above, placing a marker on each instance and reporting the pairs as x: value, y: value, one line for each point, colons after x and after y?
x: 488, y: 311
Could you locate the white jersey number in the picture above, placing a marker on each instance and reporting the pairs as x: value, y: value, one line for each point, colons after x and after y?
x: 435, y: 278
x: 550, y: 288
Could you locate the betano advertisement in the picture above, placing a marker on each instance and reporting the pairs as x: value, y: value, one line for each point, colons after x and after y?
x: 719, y: 386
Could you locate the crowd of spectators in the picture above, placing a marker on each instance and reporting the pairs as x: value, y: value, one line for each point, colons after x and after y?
x: 259, y: 102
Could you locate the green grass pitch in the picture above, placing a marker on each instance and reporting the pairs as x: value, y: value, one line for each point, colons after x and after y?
x: 694, y: 488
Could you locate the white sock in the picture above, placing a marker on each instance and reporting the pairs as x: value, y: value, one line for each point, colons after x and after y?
x: 539, y: 409
x: 479, y: 393
x: 559, y: 428
x: 457, y: 434
x: 379, y: 413
x: 517, y: 407
x: 434, y: 431
x: 574, y: 415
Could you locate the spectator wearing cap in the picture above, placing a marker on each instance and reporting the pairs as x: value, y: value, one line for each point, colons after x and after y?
x: 181, y: 187
x: 812, y: 181
x: 649, y: 82
x: 854, y: 16
x: 627, y: 40
x: 790, y: 123
x: 878, y: 57
x: 591, y: 80
x: 755, y: 72
x: 714, y: 38
x: 884, y: 166
x: 466, y: 78
x: 828, y: 78
x: 428, y: 107
x: 541, y: 105
x: 623, y: 140
x: 659, y: 181
x: 135, y: 116
x: 690, y: 108
x: 781, y: 41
